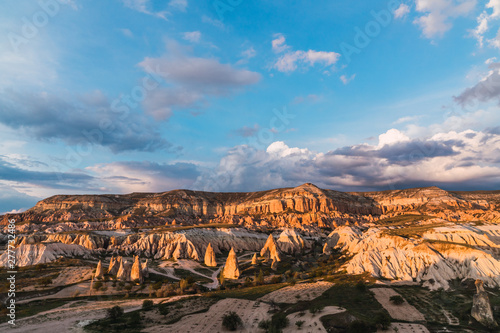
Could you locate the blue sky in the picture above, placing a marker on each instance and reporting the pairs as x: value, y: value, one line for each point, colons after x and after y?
x: 140, y: 95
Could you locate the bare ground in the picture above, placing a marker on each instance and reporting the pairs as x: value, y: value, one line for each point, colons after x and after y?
x: 404, y: 311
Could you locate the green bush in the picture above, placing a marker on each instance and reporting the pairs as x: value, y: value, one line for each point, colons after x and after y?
x: 231, y: 321
x: 147, y: 305
x: 397, y: 300
x: 299, y: 323
x: 114, y: 313
x: 383, y: 320
x: 163, y: 309
x: 358, y: 326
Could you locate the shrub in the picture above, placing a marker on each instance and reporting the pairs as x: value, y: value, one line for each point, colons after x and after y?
x: 361, y: 286
x: 397, y: 300
x: 115, y: 312
x: 383, y: 320
x: 231, y: 321
x: 265, y: 324
x: 97, y: 285
x: 279, y: 321
x: 134, y: 320
x: 299, y: 323
x: 163, y: 309
x: 147, y: 305
x: 358, y: 326
x: 45, y: 281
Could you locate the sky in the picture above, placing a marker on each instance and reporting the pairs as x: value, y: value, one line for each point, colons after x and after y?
x: 123, y: 96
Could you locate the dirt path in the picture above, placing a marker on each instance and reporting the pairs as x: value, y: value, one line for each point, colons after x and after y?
x: 311, y: 323
x: 298, y: 292
x: 250, y: 312
x: 404, y: 311
x: 405, y: 328
x: 73, y: 316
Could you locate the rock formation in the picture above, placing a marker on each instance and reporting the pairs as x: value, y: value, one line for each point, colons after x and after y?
x: 136, y: 271
x: 266, y: 255
x: 114, y: 265
x: 274, y: 265
x: 255, y: 261
x: 145, y: 269
x: 99, y: 271
x: 123, y: 274
x: 272, y: 247
x: 210, y: 256
x: 290, y: 241
x: 414, y: 259
x: 232, y: 269
x: 42, y: 253
x: 481, y: 307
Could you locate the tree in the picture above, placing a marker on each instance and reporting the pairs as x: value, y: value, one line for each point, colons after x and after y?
x: 358, y: 326
x: 97, y: 285
x: 397, y: 300
x: 259, y: 279
x: 231, y: 321
x: 163, y: 309
x: 115, y: 312
x: 147, y: 305
x: 45, y: 281
x: 383, y: 320
x: 183, y: 284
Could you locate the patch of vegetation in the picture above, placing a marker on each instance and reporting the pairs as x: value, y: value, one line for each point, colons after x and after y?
x: 231, y: 321
x: 251, y: 293
x: 397, y: 300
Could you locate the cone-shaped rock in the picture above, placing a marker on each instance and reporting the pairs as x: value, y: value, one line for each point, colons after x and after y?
x: 255, y: 261
x: 266, y: 255
x: 274, y: 265
x: 232, y: 269
x: 272, y: 247
x: 113, y: 266
x: 210, y: 256
x: 145, y: 269
x: 122, y: 271
x: 136, y: 272
x: 98, y: 272
x: 481, y: 307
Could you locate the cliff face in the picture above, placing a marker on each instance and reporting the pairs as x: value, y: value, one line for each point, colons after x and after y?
x: 289, y: 207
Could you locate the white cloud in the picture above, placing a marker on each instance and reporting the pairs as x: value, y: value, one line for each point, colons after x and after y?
x: 211, y: 21
x: 290, y: 61
x: 437, y: 15
x: 142, y: 6
x: 127, y: 33
x: 407, y: 119
x: 460, y: 160
x: 402, y: 11
x: 192, y: 36
x: 178, y: 4
x: 191, y: 80
x: 279, y: 43
x: 346, y: 80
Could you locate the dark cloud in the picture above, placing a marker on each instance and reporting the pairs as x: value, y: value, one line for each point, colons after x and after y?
x: 89, y: 120
x: 484, y: 91
x: 247, y: 132
x: 190, y: 81
x: 55, y: 180
x: 449, y: 163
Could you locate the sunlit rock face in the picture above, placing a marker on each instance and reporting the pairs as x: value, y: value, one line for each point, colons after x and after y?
x: 417, y: 259
x: 305, y: 205
x: 232, y: 269
x: 481, y: 307
x: 210, y: 256
x: 272, y: 248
